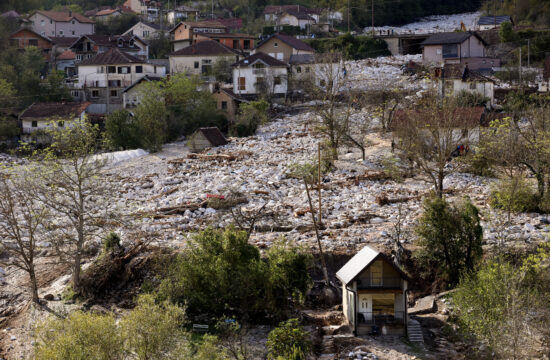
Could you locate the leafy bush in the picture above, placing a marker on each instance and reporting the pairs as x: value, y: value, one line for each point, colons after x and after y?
x: 122, y: 131
x: 479, y: 164
x: 8, y: 129
x: 392, y: 168
x: 352, y: 47
x: 450, y: 238
x: 514, y: 195
x: 250, y: 116
x: 111, y: 242
x: 288, y: 341
x: 220, y: 274
x: 470, y: 99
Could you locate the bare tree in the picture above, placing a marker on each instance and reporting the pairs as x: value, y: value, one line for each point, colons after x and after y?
x: 431, y: 134
x: 73, y: 190
x: 22, y: 221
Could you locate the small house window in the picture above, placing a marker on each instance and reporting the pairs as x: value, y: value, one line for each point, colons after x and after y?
x: 275, y: 44
x: 298, y: 69
x: 114, y: 93
x: 196, y: 65
x: 242, y: 83
x: 60, y: 123
x: 61, y: 32
x: 438, y: 51
x: 307, y: 69
x: 95, y: 93
x: 224, y: 105
x: 72, y: 32
x: 323, y: 82
x: 73, y: 22
x: 472, y: 85
x: 124, y: 70
x: 41, y: 22
x: 114, y: 83
x: 34, y: 123
x: 33, y: 42
x: 111, y: 69
x: 277, y: 80
x: 139, y: 69
x: 51, y: 21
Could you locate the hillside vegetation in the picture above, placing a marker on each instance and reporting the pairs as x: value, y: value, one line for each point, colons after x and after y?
x: 527, y: 12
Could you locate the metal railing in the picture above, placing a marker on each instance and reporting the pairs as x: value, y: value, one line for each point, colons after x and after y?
x: 380, y: 318
x: 379, y: 282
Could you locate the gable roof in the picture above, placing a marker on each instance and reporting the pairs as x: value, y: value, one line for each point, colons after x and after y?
x: 450, y: 38
x: 361, y: 261
x: 301, y: 59
x: 151, y: 25
x: 229, y: 92
x: 290, y: 41
x: 300, y: 15
x: 96, y: 10
x: 53, y: 109
x: 111, y: 41
x: 63, y: 41
x: 213, y: 135
x: 67, y: 55
x: 204, y: 48
x: 145, y: 78
x: 259, y: 56
x: 111, y: 57
x: 64, y: 16
x: 106, y: 12
x: 491, y: 20
x: 210, y: 24
x: 13, y: 35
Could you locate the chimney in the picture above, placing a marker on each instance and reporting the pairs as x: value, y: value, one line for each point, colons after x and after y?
x: 70, y: 13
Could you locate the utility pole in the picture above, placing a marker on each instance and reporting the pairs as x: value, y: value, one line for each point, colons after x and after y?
x: 372, y: 16
x: 348, y: 15
x: 528, y: 53
x: 212, y: 14
x: 495, y: 12
x: 319, y: 180
x: 520, y: 65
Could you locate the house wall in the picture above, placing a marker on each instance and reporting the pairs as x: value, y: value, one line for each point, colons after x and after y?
x: 251, y: 75
x: 104, y: 18
x: 23, y: 36
x: 42, y: 123
x: 485, y: 88
x: 186, y: 64
x: 132, y: 97
x: 279, y: 50
x: 180, y: 44
x: 229, y: 41
x: 175, y: 16
x: 472, y: 47
x: 48, y: 27
x: 143, y: 31
x: 432, y: 53
x: 182, y: 32
x: 66, y: 66
x: 287, y: 19
x: 231, y: 105
x: 389, y: 275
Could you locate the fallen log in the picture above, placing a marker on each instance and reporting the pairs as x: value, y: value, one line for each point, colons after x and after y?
x: 215, y: 157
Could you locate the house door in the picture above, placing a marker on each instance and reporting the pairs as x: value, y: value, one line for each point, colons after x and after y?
x: 365, y: 308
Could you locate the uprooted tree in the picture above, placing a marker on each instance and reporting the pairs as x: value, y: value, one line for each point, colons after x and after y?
x: 431, y: 135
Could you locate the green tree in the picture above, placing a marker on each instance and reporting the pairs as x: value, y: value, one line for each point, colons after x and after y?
x: 507, y: 33
x: 122, y: 131
x: 288, y: 341
x: 54, y: 87
x: 506, y: 305
x: 450, y: 238
x: 151, y: 116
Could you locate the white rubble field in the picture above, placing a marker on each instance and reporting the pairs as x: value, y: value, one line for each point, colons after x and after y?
x: 350, y: 212
x: 117, y: 157
x: 378, y: 73
x: 433, y: 24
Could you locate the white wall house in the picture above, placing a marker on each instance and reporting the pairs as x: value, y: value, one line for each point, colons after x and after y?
x: 199, y: 58
x: 146, y: 30
x: 258, y: 74
x: 61, y: 23
x: 132, y: 95
x: 104, y: 77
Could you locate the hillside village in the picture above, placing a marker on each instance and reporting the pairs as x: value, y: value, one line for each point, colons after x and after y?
x: 199, y: 187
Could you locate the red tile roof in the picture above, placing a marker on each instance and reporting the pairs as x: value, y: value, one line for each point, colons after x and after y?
x: 290, y: 41
x: 55, y: 109
x: 67, y: 55
x: 65, y: 16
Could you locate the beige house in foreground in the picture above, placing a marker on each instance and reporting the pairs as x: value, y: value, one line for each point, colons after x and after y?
x: 199, y: 58
x: 374, y: 293
x: 452, y: 47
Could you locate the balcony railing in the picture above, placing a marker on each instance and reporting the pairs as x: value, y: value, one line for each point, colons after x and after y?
x: 379, y: 282
x: 379, y: 318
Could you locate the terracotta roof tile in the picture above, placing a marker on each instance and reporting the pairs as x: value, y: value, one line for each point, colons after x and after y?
x: 65, y: 16
x: 111, y: 57
x: 54, y: 109
x: 290, y: 41
x: 67, y: 55
x: 207, y: 47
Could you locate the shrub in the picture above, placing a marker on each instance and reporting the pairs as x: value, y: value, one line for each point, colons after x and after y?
x: 220, y: 274
x: 288, y: 341
x: 470, y: 99
x: 122, y: 131
x: 250, y: 116
x: 111, y: 242
x: 514, y: 195
x: 392, y: 168
x: 450, y: 238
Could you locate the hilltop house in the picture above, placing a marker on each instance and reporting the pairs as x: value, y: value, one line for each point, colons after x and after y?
x: 106, y: 14
x: 273, y: 13
x: 61, y: 23
x: 181, y: 35
x: 260, y: 74
x: 374, y: 293
x: 24, y: 38
x: 89, y: 46
x: 40, y: 116
x: 103, y: 78
x: 297, y: 18
x: 146, y: 30
x: 282, y: 47
x: 148, y: 9
x: 491, y: 22
x: 237, y: 41
x: 452, y: 47
x: 199, y: 58
x: 456, y: 78
x: 182, y: 12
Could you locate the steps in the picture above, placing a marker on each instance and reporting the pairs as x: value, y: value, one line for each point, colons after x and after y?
x: 414, y: 331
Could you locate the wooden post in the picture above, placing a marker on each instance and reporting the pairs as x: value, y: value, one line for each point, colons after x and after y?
x: 323, y: 263
x: 319, y: 181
